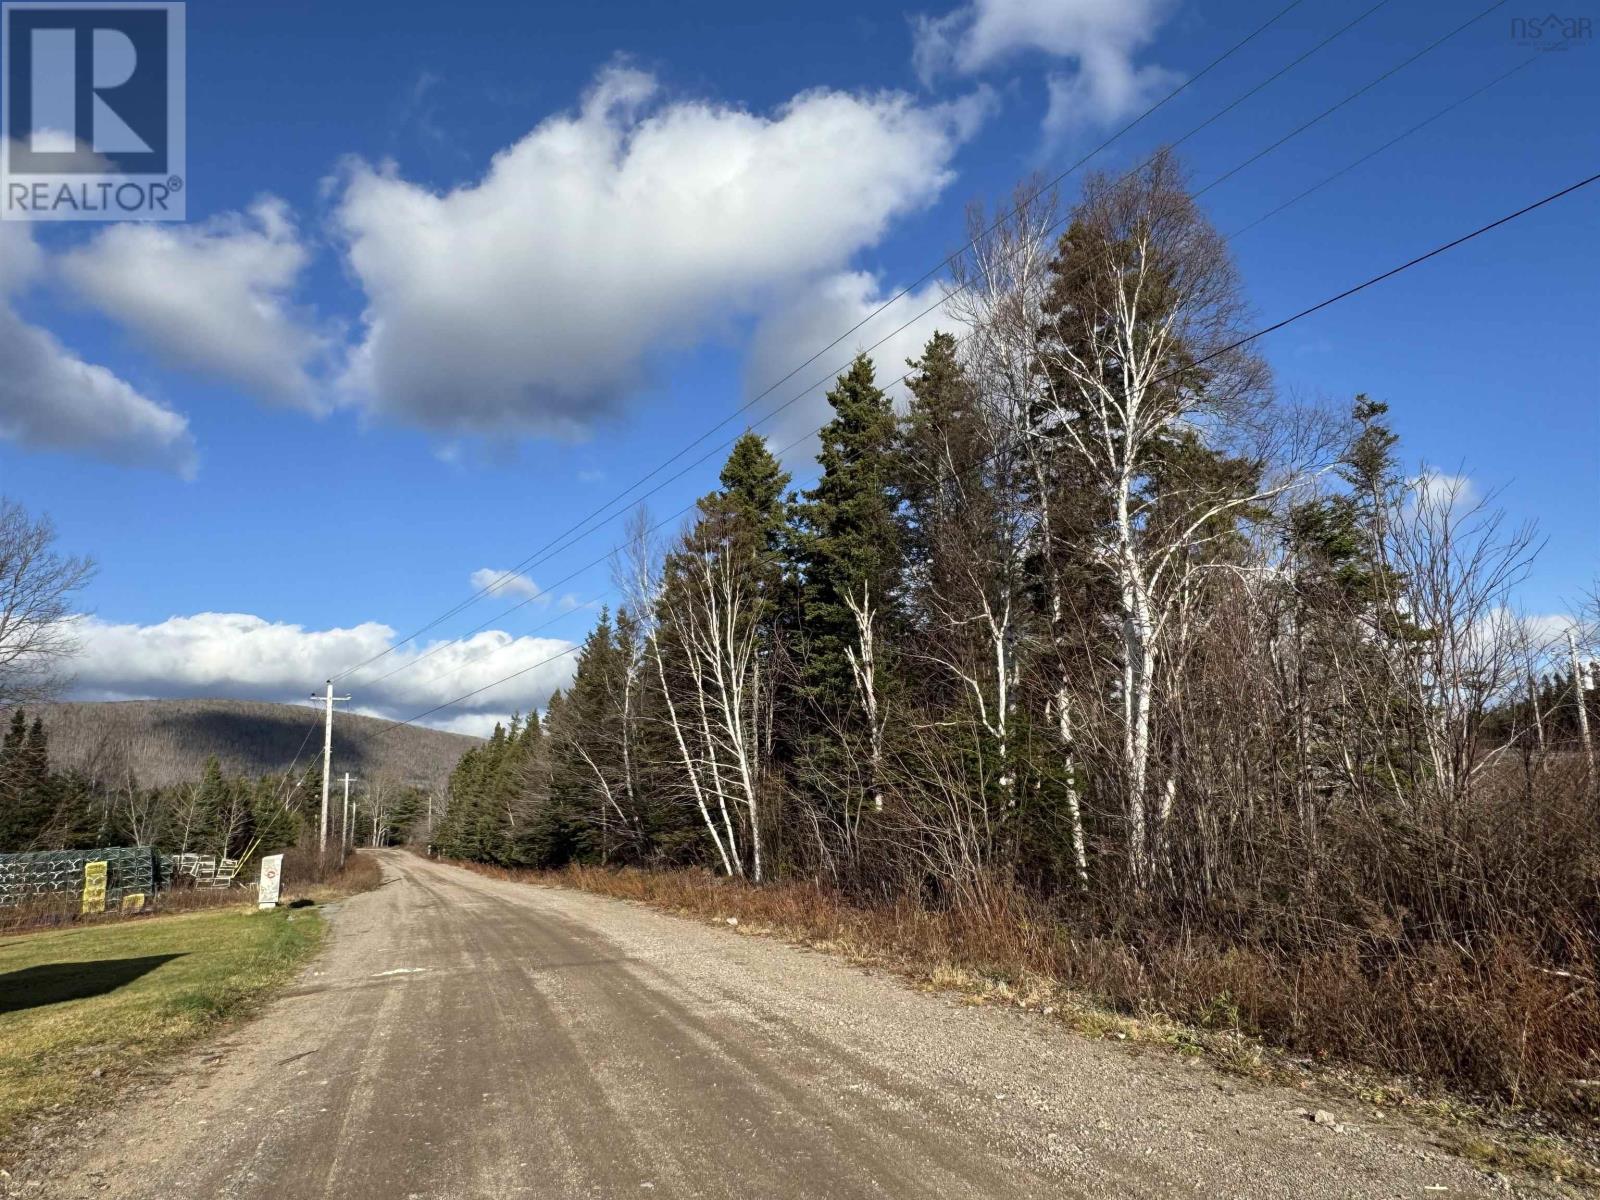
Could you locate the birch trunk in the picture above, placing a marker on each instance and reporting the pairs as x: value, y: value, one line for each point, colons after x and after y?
x: 864, y: 669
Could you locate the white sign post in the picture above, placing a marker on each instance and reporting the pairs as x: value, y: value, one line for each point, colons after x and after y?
x: 271, y: 877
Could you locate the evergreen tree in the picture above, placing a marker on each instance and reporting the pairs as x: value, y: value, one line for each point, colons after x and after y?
x: 848, y: 538
x: 208, y: 829
x: 1348, y: 623
x: 27, y: 792
x: 949, y: 515
x: 276, y: 823
x: 749, y: 518
x: 554, y: 835
x: 753, y: 487
x: 588, y: 776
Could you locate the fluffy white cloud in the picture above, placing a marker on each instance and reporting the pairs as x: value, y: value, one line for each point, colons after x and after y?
x: 472, y: 724
x: 1099, y: 94
x: 505, y: 583
x: 529, y: 300
x: 21, y: 260
x: 1100, y: 38
x: 1441, y: 491
x: 50, y: 399
x: 213, y: 298
x: 238, y: 655
x: 1547, y: 635
x: 789, y: 334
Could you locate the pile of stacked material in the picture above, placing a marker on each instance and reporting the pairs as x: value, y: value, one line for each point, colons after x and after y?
x: 41, y: 873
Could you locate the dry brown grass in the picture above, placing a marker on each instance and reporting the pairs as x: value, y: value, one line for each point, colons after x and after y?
x: 359, y: 872
x: 62, y: 911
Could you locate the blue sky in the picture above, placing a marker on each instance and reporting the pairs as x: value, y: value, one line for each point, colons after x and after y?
x: 453, y: 277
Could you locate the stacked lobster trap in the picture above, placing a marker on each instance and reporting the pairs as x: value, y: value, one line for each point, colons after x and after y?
x: 41, y: 874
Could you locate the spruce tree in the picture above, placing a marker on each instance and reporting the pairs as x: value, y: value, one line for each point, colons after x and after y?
x: 849, y: 535
x: 1349, y: 622
x: 947, y: 504
x: 753, y: 487
x: 588, y: 778
x: 27, y: 794
x: 750, y: 517
x: 554, y: 834
x: 211, y: 830
x: 14, y: 826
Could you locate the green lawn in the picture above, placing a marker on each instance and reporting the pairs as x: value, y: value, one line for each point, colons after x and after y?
x: 81, y: 1008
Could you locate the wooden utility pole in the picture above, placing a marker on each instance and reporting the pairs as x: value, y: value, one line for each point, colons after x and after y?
x: 327, y: 762
x: 346, y: 833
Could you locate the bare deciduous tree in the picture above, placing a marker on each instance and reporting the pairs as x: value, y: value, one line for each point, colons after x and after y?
x: 36, y: 588
x: 1145, y: 317
x: 637, y: 571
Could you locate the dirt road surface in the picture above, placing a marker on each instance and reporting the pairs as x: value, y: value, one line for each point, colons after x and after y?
x: 466, y: 1037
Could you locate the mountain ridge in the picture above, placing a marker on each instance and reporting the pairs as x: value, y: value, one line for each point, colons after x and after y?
x: 168, y: 741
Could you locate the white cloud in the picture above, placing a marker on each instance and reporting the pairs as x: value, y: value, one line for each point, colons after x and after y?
x: 52, y: 400
x: 1100, y: 38
x: 1441, y: 491
x: 788, y: 335
x: 1548, y: 631
x: 21, y: 260
x: 84, y: 159
x: 472, y: 724
x: 505, y: 583
x: 529, y: 300
x: 212, y: 298
x: 241, y: 656
x: 1099, y: 93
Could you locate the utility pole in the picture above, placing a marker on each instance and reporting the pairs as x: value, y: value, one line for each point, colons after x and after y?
x: 346, y: 834
x: 327, y: 762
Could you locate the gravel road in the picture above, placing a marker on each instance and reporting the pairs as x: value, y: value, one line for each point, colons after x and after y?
x: 465, y: 1037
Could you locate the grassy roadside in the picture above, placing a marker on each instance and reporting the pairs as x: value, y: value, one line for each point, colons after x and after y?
x: 985, y: 961
x: 84, y: 1007
x: 81, y: 1009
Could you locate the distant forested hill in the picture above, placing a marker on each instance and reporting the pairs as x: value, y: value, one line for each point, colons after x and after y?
x: 168, y: 741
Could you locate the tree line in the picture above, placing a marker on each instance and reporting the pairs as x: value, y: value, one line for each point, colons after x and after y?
x: 99, y: 798
x: 1090, y: 613
x: 42, y: 808
x: 1099, y: 618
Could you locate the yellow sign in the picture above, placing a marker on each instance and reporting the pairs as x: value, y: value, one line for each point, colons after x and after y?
x: 94, y: 887
x: 133, y: 902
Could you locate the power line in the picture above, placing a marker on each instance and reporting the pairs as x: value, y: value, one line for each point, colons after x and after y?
x: 1228, y: 349
x: 506, y: 576
x: 1405, y: 266
x: 1359, y: 92
x: 1399, y: 137
x: 577, y: 532
x: 281, y: 797
x: 479, y: 628
x: 1342, y: 171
